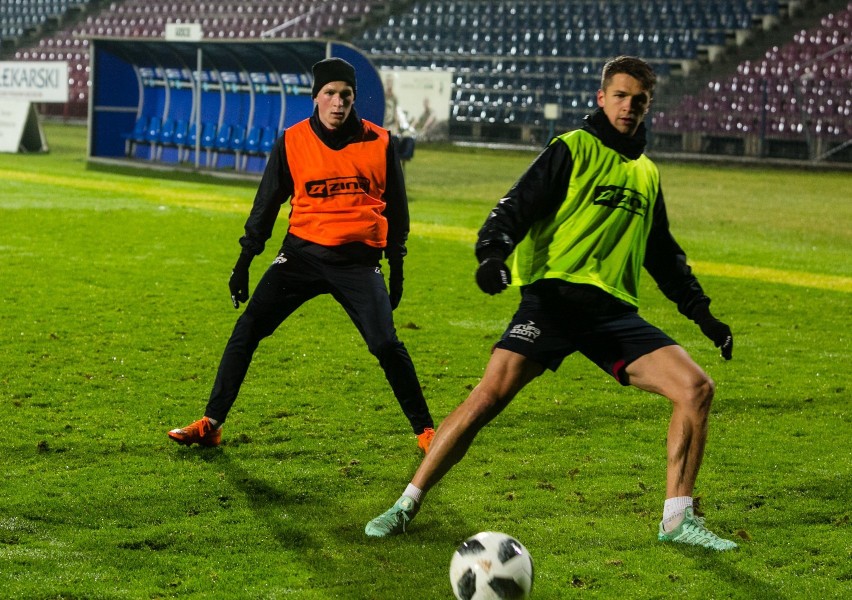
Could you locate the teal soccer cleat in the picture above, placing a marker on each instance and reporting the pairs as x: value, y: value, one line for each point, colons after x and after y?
x: 394, y: 520
x: 693, y: 532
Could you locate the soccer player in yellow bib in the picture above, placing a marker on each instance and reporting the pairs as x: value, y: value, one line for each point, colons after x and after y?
x: 575, y: 232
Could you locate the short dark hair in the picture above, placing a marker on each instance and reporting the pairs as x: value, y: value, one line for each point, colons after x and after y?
x: 633, y: 66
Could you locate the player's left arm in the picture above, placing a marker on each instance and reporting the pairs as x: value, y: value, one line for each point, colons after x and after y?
x: 666, y: 261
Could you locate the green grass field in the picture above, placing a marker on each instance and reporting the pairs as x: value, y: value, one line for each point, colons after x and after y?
x: 114, y: 311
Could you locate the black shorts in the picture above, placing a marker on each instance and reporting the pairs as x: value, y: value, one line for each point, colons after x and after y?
x: 556, y: 319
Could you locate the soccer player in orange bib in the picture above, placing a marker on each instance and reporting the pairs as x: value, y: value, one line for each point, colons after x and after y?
x: 348, y: 210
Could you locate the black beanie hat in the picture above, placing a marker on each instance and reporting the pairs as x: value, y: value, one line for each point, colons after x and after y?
x: 332, y: 69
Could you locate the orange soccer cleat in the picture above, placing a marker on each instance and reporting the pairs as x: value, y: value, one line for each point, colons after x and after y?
x: 424, y: 440
x: 202, y: 432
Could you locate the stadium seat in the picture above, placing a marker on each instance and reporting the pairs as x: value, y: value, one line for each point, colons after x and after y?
x: 223, y: 138
x: 137, y: 135
x: 167, y: 133
x: 208, y: 135
x: 252, y: 145
x: 237, y: 140
x: 152, y: 134
x: 173, y: 135
x: 267, y: 139
x: 181, y: 132
x: 186, y: 143
x: 237, y: 143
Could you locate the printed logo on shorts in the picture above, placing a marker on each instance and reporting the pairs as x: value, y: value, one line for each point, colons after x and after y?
x: 280, y: 259
x: 527, y: 332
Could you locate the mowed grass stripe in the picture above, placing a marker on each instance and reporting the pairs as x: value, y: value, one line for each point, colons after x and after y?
x: 820, y: 281
x: 186, y: 195
x: 833, y: 283
x: 208, y: 199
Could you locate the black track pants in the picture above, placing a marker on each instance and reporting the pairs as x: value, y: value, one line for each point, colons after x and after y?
x: 291, y: 281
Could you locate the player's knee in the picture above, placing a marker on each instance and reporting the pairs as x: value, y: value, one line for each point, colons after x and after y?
x: 699, y: 395
x: 385, y: 349
x: 484, y: 404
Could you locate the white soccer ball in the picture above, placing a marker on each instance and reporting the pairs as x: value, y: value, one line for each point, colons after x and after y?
x: 491, y: 566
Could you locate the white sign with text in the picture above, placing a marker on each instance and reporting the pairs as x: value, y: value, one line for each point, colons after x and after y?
x: 34, y: 81
x: 184, y: 32
x: 13, y: 117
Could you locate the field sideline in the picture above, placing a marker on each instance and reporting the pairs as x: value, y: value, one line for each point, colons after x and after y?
x: 115, y: 310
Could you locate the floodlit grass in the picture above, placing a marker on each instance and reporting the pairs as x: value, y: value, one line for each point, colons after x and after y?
x: 114, y: 311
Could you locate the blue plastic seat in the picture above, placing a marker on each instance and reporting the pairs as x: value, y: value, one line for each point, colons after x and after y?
x: 136, y: 135
x: 167, y: 133
x: 185, y: 139
x: 208, y: 135
x: 252, y: 144
x: 139, y: 129
x: 181, y: 133
x: 153, y: 132
x: 223, y: 138
x: 267, y: 139
x: 237, y: 140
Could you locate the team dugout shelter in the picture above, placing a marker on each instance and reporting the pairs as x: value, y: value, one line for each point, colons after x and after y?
x: 211, y: 105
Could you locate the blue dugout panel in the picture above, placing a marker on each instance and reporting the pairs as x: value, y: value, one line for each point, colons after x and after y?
x: 209, y: 105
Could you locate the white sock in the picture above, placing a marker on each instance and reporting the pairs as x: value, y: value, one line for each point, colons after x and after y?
x: 414, y: 492
x: 673, y: 510
x: 214, y: 422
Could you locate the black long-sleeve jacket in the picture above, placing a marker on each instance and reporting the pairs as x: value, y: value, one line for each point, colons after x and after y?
x: 276, y: 187
x: 543, y: 187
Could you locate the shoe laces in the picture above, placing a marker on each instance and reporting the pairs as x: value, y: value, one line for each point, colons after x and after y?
x: 694, y: 532
x: 397, y: 516
x: 402, y: 517
x: 202, y: 427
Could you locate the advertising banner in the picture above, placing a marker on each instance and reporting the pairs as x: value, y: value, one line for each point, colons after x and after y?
x: 36, y: 81
x: 417, y: 103
x: 19, y: 127
x: 21, y: 84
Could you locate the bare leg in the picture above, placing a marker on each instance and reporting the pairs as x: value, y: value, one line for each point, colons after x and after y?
x: 506, y: 374
x: 670, y: 372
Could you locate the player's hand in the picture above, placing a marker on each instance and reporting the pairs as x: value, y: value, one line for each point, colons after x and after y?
x: 239, y: 281
x: 493, y: 276
x: 719, y: 333
x: 395, y: 283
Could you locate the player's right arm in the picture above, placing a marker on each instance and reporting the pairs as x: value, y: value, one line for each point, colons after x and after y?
x: 275, y: 188
x: 537, y: 193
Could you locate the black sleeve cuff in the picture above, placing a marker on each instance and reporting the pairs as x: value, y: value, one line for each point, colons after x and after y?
x: 483, y: 253
x: 700, y: 312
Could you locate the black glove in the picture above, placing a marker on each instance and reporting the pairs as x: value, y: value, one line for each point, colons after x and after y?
x: 493, y: 276
x: 719, y: 333
x: 239, y: 282
x: 395, y: 282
